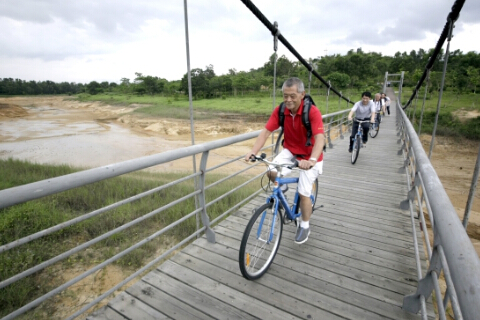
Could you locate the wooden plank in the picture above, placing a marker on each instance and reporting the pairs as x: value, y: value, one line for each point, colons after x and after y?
x: 165, y: 303
x: 105, y: 313
x: 193, y: 297
x: 345, y: 266
x: 222, y: 292
x: 352, y: 248
x: 132, y: 308
x: 285, y: 295
x: 307, y: 278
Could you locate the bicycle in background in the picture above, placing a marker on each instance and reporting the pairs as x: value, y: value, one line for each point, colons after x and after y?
x: 373, y: 132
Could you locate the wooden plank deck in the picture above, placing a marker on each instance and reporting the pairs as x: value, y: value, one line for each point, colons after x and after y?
x: 357, y: 264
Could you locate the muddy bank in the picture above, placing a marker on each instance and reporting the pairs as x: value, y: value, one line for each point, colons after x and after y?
x: 60, y: 131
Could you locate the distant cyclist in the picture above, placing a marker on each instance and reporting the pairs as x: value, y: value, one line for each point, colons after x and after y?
x: 379, y: 106
x: 310, y: 158
x: 387, y: 102
x: 364, y: 110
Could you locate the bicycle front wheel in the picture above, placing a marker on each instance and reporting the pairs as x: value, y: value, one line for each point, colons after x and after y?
x: 260, y: 242
x: 356, y: 149
x: 313, y: 195
x: 373, y: 132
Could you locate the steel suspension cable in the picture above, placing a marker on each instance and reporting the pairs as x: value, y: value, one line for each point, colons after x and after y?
x: 274, y: 30
x: 452, y: 17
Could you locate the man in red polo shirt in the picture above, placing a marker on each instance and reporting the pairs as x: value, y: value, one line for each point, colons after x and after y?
x: 310, y: 158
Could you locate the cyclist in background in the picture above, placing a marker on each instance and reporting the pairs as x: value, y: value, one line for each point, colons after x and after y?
x: 364, y: 110
x: 310, y: 158
x: 387, y: 102
x: 379, y: 106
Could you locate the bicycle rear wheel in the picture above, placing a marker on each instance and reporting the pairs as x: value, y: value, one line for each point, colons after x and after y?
x: 373, y: 132
x: 356, y: 149
x: 260, y: 242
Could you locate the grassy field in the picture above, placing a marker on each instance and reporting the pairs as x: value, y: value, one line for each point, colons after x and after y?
x: 25, y: 219
x: 251, y: 106
x: 258, y: 106
x: 453, y: 108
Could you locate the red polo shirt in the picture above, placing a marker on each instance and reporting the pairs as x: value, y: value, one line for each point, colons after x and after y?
x: 295, y: 134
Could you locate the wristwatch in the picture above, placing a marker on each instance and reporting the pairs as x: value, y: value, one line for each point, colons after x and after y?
x: 312, y: 158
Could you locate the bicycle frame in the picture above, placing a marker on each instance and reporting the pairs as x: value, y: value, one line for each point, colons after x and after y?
x: 359, y: 132
x: 279, y: 197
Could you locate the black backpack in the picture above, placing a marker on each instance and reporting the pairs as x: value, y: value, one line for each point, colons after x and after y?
x: 307, y: 104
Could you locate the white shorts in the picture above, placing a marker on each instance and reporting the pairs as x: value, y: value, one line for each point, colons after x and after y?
x: 306, y: 177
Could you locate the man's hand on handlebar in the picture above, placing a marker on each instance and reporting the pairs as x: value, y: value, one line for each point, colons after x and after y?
x: 306, y: 164
x: 249, y: 157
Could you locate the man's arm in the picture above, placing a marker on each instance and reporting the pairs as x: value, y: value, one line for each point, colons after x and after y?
x: 316, y: 152
x: 350, y: 115
x: 259, y: 143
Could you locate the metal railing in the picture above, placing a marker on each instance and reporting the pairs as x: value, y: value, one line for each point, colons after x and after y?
x: 21, y: 194
x: 452, y: 254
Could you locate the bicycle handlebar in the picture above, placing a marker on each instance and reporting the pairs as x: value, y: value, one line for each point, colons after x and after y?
x: 360, y: 121
x: 263, y: 156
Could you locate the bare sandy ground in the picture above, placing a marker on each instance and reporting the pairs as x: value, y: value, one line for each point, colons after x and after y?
x: 39, y: 129
x: 31, y: 127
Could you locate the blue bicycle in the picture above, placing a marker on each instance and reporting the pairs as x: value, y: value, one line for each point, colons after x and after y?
x: 357, y: 141
x: 261, y: 238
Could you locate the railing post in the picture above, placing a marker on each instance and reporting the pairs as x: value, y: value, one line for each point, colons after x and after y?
x: 205, y: 219
x: 189, y: 78
x: 423, y: 104
x: 400, y: 87
x: 384, y: 89
x: 328, y: 95
x: 441, y: 88
x: 471, y: 194
x: 341, y: 126
x: 329, y: 138
x: 275, y: 48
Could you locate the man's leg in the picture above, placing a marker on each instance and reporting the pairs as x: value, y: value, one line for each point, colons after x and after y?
x: 366, y: 128
x: 352, y: 136
x: 306, y: 207
x: 272, y: 175
x: 285, y: 156
x: 305, y: 183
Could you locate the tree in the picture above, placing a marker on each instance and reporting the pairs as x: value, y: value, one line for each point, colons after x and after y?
x: 473, y: 77
x: 241, y: 81
x: 339, y: 80
x: 94, y: 87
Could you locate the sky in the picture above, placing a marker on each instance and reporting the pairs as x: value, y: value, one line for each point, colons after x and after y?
x: 107, y: 40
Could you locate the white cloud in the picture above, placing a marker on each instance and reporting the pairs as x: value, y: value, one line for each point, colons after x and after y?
x: 107, y: 40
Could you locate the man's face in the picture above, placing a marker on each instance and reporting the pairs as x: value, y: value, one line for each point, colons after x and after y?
x: 292, y: 98
x: 365, y: 100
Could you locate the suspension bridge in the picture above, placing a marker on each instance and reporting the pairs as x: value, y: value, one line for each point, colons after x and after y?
x: 358, y: 263
x: 370, y: 254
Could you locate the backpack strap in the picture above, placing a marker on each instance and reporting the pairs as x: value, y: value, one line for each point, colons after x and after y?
x: 307, y: 104
x: 281, y: 114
